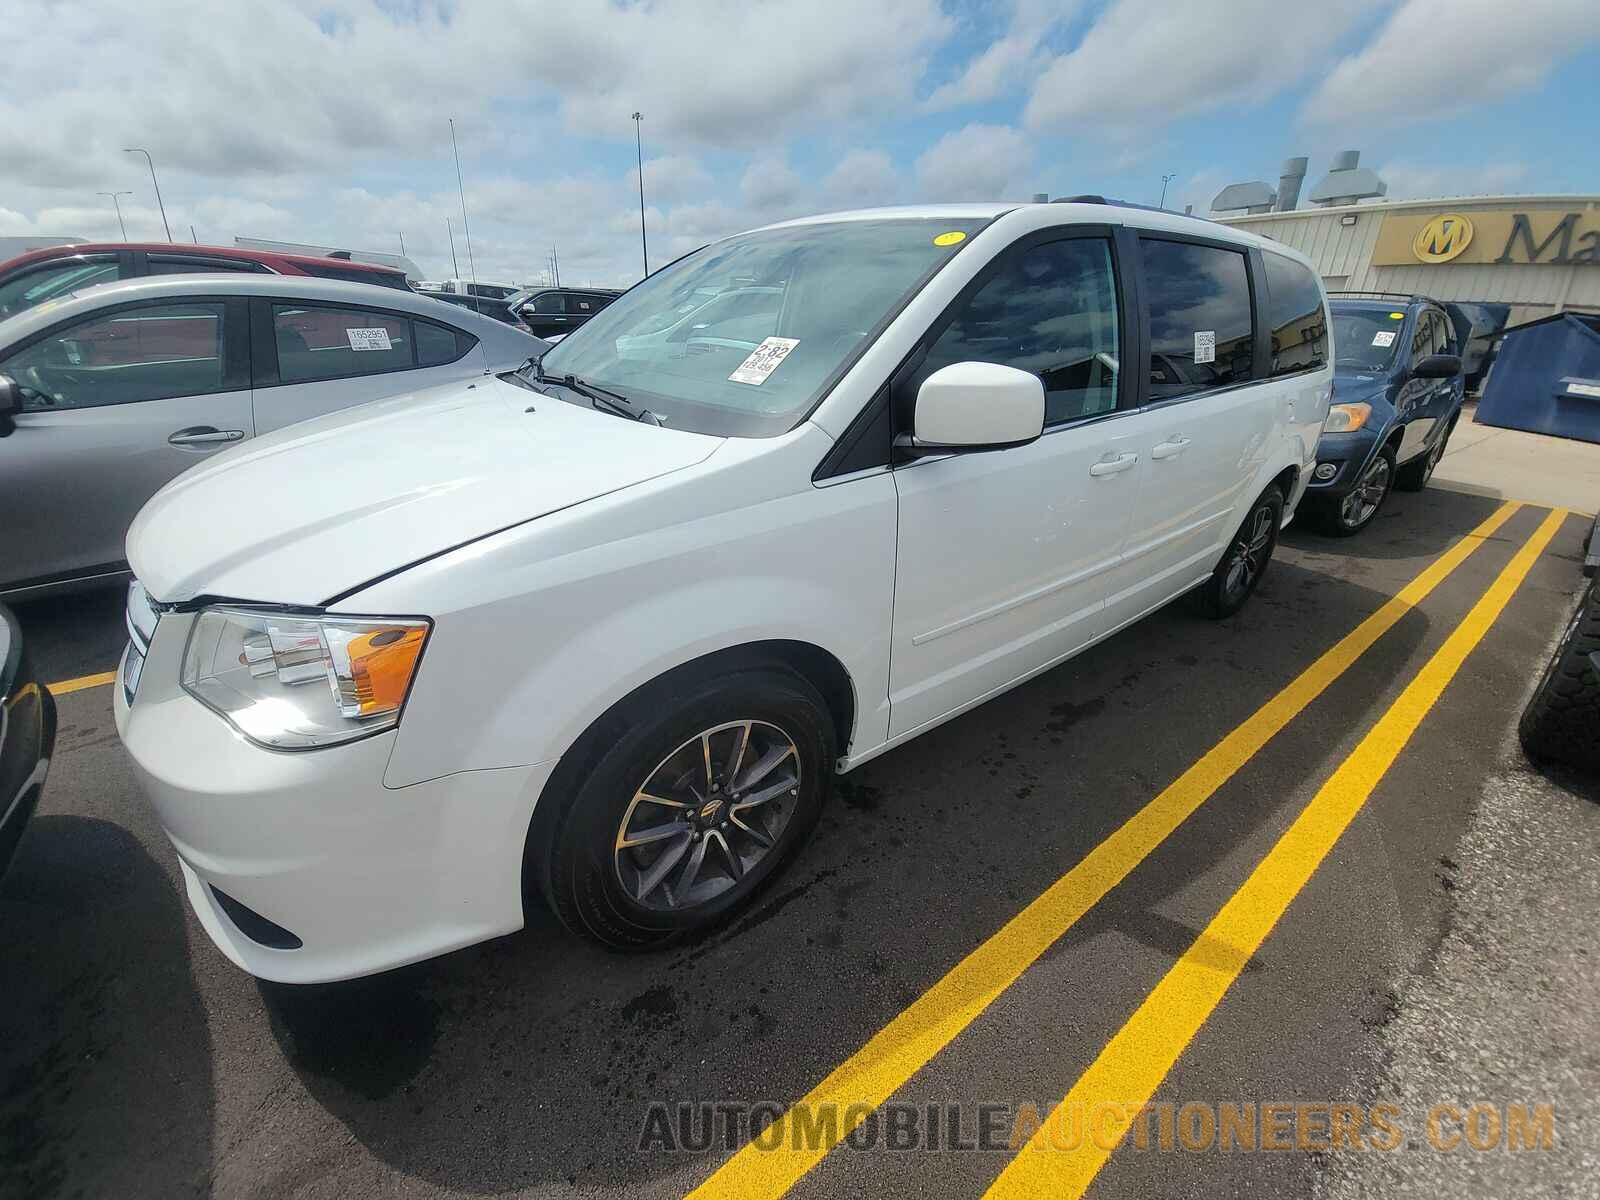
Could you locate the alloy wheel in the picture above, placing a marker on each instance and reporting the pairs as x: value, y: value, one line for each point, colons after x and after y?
x: 1358, y: 507
x: 707, y: 815
x: 1248, y: 555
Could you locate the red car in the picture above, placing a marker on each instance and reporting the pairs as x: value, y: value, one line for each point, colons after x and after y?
x: 39, y: 275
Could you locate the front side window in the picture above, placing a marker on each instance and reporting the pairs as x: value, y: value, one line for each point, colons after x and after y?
x: 1296, y: 317
x: 1051, y: 310
x: 742, y: 337
x: 190, y: 266
x: 549, y: 304
x: 335, y: 343
x: 54, y: 279
x: 1202, y: 334
x: 124, y: 357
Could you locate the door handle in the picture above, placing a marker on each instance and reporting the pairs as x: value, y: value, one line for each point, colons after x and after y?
x: 1170, y: 448
x: 204, y: 435
x: 1114, y: 466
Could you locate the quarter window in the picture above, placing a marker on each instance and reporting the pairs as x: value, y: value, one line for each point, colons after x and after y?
x: 334, y: 343
x: 437, y: 345
x: 1295, y: 314
x: 1201, y: 331
x: 152, y: 353
x: 1051, y: 310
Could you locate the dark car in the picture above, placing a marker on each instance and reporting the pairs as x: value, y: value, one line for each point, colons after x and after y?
x: 1397, y: 393
x: 551, y: 311
x: 41, y: 275
x: 1562, y: 721
x: 27, y: 736
x: 498, y: 309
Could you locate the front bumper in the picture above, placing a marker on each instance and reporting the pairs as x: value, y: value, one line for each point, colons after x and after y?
x: 1349, y: 453
x: 365, y: 877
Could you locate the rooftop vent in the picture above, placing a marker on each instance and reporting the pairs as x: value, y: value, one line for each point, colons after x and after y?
x: 1291, y: 175
x: 1348, y: 182
x: 1252, y: 197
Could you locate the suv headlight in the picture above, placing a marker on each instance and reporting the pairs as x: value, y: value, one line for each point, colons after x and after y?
x: 297, y: 683
x: 1346, y: 418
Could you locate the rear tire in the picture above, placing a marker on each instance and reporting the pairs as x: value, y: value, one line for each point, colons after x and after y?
x: 1562, y: 721
x: 604, y: 863
x: 1414, y: 476
x: 1246, y: 559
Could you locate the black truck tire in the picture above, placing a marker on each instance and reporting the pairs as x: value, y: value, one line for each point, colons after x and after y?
x: 1562, y: 721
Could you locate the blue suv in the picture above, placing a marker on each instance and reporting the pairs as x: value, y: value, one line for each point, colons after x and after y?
x: 1397, y: 393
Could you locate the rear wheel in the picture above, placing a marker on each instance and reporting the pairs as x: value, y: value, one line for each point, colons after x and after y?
x: 1245, y: 560
x: 681, y: 819
x: 1562, y: 721
x: 1354, y: 511
x: 1414, y: 476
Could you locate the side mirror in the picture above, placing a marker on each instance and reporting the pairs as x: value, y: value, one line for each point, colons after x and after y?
x: 1438, y: 366
x: 975, y: 406
x: 10, y: 405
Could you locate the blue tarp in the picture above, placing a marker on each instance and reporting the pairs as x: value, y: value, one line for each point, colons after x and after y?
x: 1546, y: 378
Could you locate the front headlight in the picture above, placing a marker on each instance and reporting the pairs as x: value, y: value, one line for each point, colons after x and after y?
x: 298, y: 683
x: 1346, y: 418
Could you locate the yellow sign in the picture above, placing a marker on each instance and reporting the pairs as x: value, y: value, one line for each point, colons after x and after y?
x: 1444, y: 237
x: 950, y: 239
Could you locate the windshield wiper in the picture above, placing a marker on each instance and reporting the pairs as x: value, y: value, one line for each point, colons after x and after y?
x: 602, y: 398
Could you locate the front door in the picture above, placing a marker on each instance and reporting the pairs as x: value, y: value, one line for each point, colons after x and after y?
x: 114, y: 406
x: 1003, y: 555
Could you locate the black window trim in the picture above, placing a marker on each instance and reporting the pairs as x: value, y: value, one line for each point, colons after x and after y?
x: 1261, y: 337
x: 1264, y: 315
x: 264, y: 342
x: 203, y: 262
x: 235, y: 342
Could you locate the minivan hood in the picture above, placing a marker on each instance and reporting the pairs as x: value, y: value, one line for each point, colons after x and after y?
x: 310, y: 512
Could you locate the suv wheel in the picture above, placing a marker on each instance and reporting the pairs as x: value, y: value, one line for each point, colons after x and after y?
x: 1357, y: 508
x: 1562, y: 721
x: 709, y: 787
x: 1414, y: 476
x: 1245, y: 560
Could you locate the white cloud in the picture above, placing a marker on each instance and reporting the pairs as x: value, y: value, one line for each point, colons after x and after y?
x: 1147, y: 62
x: 771, y: 186
x: 1010, y: 60
x: 977, y: 162
x: 1414, y: 181
x: 1436, y: 57
x: 861, y: 179
x: 672, y: 178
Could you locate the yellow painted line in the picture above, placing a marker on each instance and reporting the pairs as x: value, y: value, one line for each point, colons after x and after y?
x: 82, y: 682
x: 876, y: 1071
x: 1107, y: 1098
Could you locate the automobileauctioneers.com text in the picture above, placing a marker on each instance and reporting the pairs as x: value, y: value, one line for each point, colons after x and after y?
x: 1197, y: 1127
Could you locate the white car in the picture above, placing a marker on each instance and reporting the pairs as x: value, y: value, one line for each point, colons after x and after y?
x: 605, y: 630
x: 108, y: 393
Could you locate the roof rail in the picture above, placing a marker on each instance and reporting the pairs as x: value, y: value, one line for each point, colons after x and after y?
x: 1094, y: 198
x: 1406, y: 296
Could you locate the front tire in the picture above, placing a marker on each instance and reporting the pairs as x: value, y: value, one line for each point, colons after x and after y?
x: 1354, y: 511
x: 1562, y: 721
x: 1245, y: 560
x: 706, y: 792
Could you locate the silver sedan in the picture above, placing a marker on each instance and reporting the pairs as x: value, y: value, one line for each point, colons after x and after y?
x: 107, y: 394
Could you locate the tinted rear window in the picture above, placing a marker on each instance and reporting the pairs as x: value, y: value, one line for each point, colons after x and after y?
x: 1296, y: 317
x: 1202, y: 334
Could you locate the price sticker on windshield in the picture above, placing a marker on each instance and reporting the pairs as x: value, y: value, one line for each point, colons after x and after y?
x: 763, y: 361
x: 368, y: 339
x: 1384, y: 337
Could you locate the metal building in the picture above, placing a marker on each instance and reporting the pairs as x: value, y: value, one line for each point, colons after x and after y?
x: 1540, y: 254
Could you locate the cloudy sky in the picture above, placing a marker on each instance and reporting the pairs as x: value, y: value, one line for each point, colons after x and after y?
x: 326, y: 120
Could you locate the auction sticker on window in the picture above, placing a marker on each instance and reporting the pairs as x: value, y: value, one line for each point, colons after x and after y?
x: 1384, y: 337
x: 764, y: 360
x: 1205, y: 345
x: 368, y: 339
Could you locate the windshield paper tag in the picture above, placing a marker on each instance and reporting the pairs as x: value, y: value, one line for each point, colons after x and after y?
x: 1205, y: 346
x: 368, y: 339
x: 763, y: 360
x: 1384, y: 337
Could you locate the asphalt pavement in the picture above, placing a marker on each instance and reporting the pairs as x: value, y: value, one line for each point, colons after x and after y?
x: 924, y: 944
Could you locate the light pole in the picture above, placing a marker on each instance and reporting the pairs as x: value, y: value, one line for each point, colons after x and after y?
x: 115, y: 203
x: 1165, y: 179
x: 153, y: 183
x: 638, y: 150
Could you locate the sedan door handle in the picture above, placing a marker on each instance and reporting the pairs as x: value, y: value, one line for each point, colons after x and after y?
x: 1170, y: 448
x: 204, y: 435
x: 1114, y: 466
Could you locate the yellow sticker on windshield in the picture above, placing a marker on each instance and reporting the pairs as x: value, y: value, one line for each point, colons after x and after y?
x: 1397, y: 316
x: 950, y: 239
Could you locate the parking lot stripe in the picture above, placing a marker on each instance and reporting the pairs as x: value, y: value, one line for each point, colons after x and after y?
x: 1067, y: 1151
x: 67, y: 686
x: 826, y: 1115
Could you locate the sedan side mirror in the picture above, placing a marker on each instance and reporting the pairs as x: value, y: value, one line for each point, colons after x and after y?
x: 975, y: 406
x: 1438, y: 366
x: 10, y: 405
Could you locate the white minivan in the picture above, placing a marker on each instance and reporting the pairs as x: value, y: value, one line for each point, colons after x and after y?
x: 603, y: 630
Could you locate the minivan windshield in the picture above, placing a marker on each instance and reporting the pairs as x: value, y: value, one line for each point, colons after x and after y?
x: 741, y: 337
x: 1365, y: 339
